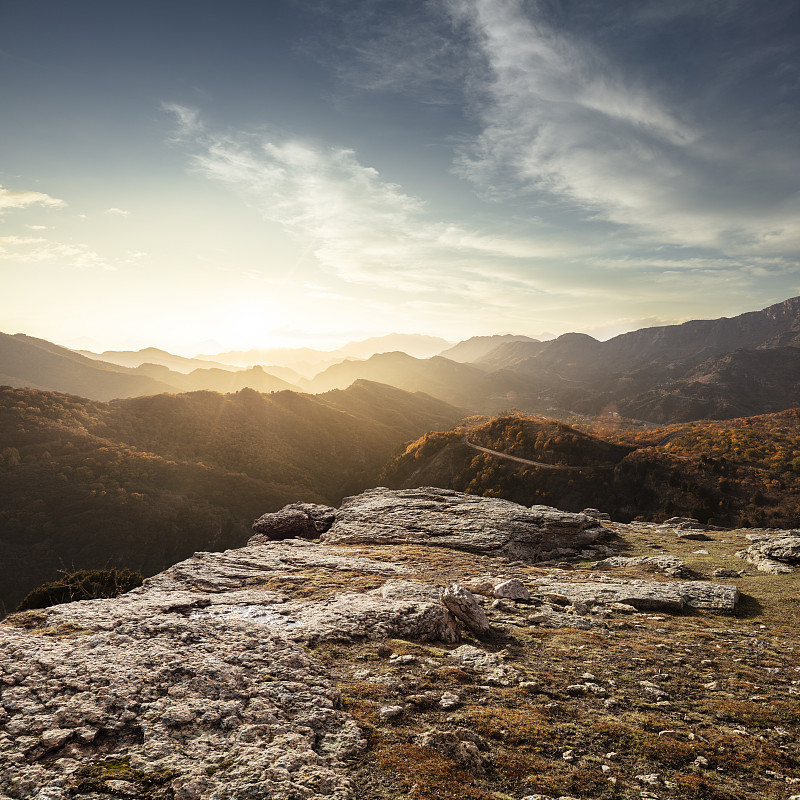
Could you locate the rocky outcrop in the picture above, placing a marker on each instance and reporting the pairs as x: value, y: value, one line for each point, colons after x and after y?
x: 201, y: 684
x: 666, y: 564
x: 463, y: 605
x: 295, y: 521
x: 210, y: 706
x: 445, y: 518
x: 670, y: 596
x: 773, y: 553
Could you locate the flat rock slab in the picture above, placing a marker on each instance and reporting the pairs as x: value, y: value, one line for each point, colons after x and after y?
x: 213, y: 707
x: 670, y: 596
x: 445, y: 518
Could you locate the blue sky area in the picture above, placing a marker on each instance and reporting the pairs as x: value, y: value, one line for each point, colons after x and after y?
x: 192, y: 174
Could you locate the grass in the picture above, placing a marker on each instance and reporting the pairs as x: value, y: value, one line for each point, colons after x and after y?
x: 720, y: 743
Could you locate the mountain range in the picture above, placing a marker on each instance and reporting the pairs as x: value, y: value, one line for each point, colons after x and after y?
x: 143, y: 482
x: 715, y: 369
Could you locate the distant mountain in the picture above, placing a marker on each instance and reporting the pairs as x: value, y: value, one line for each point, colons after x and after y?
x: 25, y: 361
x: 153, y: 355
x: 39, y: 364
x: 737, y: 384
x: 695, y: 364
x: 218, y: 380
x: 413, y: 344
x: 303, y: 360
x: 474, y: 349
x: 308, y: 362
x: 461, y: 384
x: 146, y: 481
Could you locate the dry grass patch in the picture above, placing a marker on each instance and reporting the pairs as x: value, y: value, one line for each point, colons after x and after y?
x: 317, y: 584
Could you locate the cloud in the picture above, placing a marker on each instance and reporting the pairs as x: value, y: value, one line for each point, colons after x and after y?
x: 411, y: 50
x: 116, y: 212
x: 33, y: 250
x: 22, y: 198
x: 187, y: 119
x: 361, y: 228
x: 563, y: 122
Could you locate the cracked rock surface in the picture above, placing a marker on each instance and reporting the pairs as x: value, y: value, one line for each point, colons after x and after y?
x: 207, y: 682
x: 445, y: 518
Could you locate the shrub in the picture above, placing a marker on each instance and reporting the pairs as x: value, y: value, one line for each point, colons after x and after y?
x: 85, y: 584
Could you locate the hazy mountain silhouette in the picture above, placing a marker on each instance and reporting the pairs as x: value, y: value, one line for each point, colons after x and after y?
x: 703, y: 365
x: 146, y: 481
x: 154, y: 355
x: 473, y: 349
x: 25, y: 361
x: 39, y: 364
x: 461, y: 384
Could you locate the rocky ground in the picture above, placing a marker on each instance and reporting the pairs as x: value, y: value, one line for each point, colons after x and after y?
x: 427, y: 645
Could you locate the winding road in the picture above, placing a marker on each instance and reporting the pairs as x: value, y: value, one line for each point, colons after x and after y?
x: 517, y: 458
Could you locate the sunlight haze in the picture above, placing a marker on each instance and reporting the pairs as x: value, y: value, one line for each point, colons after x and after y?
x: 203, y: 177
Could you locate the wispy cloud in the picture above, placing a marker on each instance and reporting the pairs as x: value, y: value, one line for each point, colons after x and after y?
x: 116, y: 212
x: 23, y: 198
x: 359, y: 227
x: 562, y: 120
x: 187, y: 120
x: 34, y: 249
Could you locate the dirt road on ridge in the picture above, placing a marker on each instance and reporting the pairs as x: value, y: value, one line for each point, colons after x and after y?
x: 516, y: 458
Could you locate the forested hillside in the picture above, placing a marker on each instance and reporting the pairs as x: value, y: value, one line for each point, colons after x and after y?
x: 735, y: 472
x: 144, y: 482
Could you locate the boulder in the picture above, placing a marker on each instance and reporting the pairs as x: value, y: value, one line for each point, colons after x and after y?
x: 513, y: 589
x: 489, y: 667
x: 775, y: 553
x: 446, y: 518
x: 295, y: 521
x: 462, y: 745
x: 464, y: 605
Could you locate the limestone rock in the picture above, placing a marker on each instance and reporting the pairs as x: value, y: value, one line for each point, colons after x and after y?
x: 462, y: 604
x: 295, y: 521
x: 513, y: 589
x: 646, y: 595
x: 774, y: 553
x: 595, y: 513
x: 445, y: 518
x: 489, y: 666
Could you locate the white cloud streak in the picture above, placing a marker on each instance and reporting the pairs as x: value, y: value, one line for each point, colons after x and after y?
x: 36, y: 250
x: 11, y: 199
x: 361, y: 228
x: 561, y: 120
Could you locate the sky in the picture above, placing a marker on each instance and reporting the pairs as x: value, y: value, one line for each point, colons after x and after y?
x: 203, y: 176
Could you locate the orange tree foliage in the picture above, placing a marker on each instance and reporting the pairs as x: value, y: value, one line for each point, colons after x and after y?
x: 735, y: 472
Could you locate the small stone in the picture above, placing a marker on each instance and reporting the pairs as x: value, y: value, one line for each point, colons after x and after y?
x: 651, y: 779
x: 53, y: 739
x: 449, y: 701
x: 513, y: 589
x: 390, y: 712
